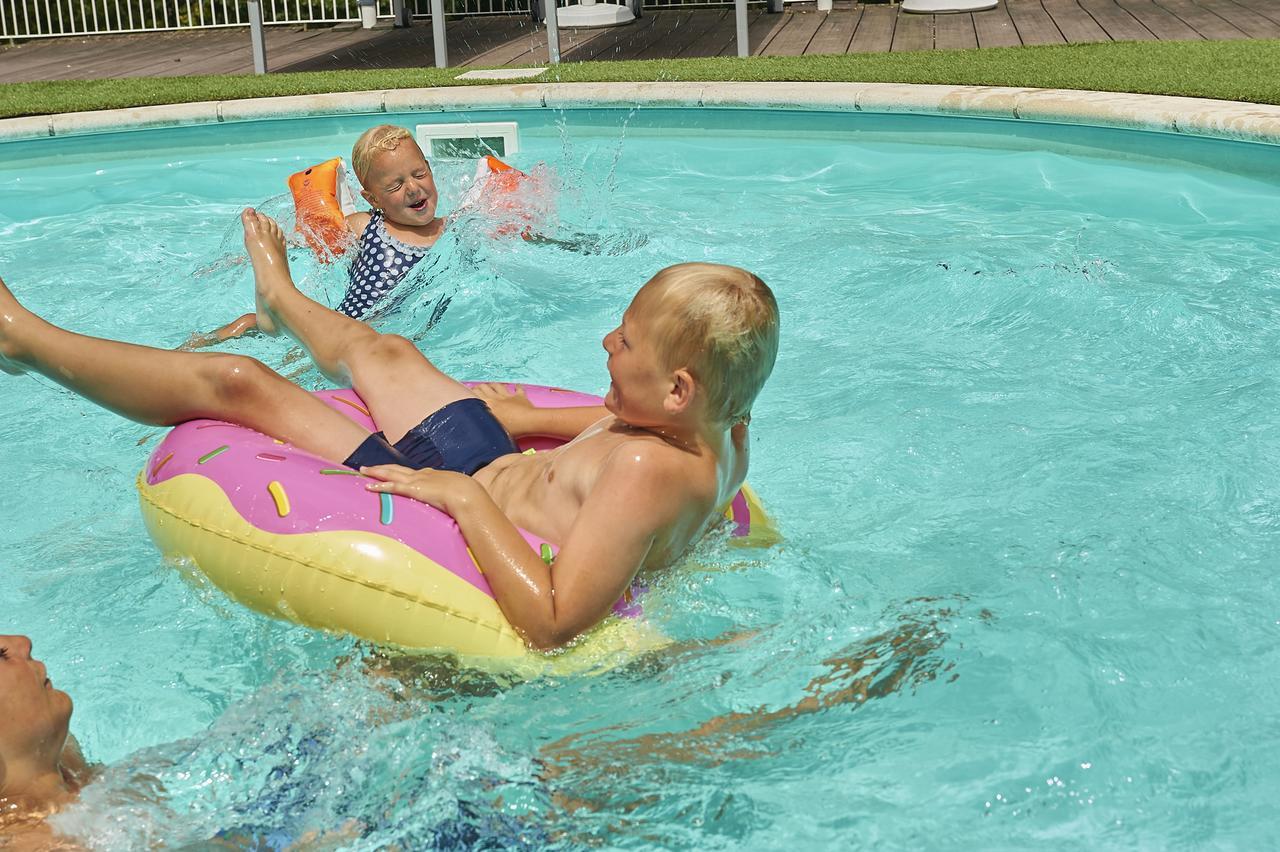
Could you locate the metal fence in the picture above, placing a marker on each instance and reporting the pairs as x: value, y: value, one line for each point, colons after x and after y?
x: 44, y: 18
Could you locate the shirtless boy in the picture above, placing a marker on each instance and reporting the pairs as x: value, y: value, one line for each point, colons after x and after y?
x: 643, y: 479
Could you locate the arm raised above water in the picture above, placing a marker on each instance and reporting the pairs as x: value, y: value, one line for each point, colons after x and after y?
x: 639, y: 495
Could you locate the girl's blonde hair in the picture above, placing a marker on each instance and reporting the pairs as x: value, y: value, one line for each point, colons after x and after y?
x: 384, y: 137
x: 720, y: 323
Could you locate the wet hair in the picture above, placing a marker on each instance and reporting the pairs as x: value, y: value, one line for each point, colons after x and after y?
x: 384, y: 137
x: 721, y: 324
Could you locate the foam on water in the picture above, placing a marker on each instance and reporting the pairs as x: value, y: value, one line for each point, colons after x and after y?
x: 1021, y: 441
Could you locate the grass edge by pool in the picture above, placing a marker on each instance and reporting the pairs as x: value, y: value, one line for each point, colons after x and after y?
x: 1188, y: 116
x: 1247, y: 71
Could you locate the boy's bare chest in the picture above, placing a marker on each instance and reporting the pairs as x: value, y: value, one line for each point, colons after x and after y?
x: 543, y: 492
x: 569, y: 473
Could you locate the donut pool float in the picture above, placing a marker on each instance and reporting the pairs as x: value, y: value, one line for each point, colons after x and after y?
x: 294, y: 536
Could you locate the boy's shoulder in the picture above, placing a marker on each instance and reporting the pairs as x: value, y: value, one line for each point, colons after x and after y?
x: 644, y: 461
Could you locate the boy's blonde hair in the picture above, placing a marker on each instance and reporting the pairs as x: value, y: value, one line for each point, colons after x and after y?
x: 720, y: 323
x: 384, y: 137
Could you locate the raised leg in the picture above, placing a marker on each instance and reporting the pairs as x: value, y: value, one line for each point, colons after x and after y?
x: 163, y: 387
x: 399, y: 384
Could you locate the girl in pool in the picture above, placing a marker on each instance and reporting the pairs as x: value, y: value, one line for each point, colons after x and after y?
x: 396, y: 180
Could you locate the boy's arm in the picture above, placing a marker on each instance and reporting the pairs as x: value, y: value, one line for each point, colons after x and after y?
x: 549, y: 605
x: 521, y: 417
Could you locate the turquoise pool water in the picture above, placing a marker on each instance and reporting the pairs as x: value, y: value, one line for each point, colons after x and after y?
x: 1021, y: 441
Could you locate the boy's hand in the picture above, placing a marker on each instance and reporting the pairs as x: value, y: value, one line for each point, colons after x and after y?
x: 511, y: 407
x: 442, y: 489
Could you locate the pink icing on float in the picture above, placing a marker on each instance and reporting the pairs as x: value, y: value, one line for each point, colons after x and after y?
x: 290, y: 534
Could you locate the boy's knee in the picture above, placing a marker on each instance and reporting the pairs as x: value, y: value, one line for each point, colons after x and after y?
x: 236, y: 378
x: 392, y: 347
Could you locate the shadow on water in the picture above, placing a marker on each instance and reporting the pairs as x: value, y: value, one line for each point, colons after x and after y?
x: 609, y: 785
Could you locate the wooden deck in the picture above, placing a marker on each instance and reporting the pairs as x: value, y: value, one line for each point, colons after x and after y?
x: 514, y: 41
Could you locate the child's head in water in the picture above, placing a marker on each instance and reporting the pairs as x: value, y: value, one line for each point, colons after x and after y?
x: 36, y: 719
x: 394, y: 175
x: 698, y: 337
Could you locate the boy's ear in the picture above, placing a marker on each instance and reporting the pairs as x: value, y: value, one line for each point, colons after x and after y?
x: 683, y: 390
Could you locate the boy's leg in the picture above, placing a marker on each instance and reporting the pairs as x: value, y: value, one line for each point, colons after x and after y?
x: 399, y: 384
x: 163, y: 387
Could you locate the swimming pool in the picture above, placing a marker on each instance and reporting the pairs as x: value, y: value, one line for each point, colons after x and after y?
x: 1020, y: 441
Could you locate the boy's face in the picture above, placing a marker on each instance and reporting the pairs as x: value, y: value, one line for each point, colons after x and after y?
x: 36, y: 716
x: 639, y: 381
x: 400, y: 184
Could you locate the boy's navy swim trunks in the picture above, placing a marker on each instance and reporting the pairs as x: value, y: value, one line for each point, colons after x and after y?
x: 463, y: 436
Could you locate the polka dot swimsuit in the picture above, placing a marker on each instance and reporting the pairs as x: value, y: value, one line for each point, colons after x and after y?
x: 383, y: 263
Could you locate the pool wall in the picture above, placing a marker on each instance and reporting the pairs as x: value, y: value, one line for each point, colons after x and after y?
x: 1189, y: 116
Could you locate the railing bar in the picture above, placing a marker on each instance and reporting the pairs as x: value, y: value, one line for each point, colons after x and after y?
x: 62, y: 27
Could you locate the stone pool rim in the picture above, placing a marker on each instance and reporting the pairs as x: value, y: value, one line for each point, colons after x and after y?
x: 1233, y: 120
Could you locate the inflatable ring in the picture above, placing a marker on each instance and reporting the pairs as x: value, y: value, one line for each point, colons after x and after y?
x: 322, y: 201
x: 495, y: 192
x: 293, y: 536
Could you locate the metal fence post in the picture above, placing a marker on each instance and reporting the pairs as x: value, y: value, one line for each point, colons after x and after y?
x: 553, y: 33
x: 740, y: 14
x: 255, y: 38
x: 437, y: 33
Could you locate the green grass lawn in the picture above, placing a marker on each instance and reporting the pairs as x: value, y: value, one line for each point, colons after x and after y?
x: 1230, y: 70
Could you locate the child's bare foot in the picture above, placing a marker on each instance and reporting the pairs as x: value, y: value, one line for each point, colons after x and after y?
x: 10, y: 313
x: 265, y: 242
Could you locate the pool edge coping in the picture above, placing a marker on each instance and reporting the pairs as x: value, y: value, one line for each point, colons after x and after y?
x: 1163, y: 113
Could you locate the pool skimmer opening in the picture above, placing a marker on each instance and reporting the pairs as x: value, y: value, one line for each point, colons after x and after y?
x: 468, y: 140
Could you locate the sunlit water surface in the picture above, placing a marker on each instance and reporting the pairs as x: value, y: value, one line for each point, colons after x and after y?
x: 1021, y: 442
